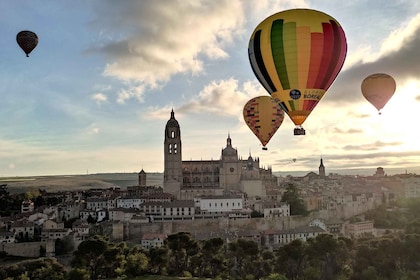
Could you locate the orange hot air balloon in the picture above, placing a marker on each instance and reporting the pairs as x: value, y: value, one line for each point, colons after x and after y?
x: 263, y: 115
x: 27, y: 41
x: 296, y: 55
x: 378, y: 89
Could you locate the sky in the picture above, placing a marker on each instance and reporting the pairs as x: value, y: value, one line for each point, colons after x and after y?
x: 96, y: 93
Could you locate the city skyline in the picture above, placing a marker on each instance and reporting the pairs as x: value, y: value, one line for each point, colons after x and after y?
x: 98, y: 90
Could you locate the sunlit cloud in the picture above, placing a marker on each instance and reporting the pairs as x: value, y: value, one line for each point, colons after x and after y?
x: 99, y: 98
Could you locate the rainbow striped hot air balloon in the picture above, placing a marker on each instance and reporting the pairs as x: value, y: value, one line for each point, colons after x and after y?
x: 296, y: 55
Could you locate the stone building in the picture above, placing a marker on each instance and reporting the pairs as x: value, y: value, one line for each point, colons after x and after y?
x: 192, y: 178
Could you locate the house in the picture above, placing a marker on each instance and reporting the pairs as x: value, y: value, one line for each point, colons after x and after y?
x: 7, y: 237
x: 219, y: 203
x: 129, y: 202
x: 54, y: 233
x: 52, y: 224
x: 122, y: 214
x: 276, y: 209
x: 151, y: 240
x: 97, y: 215
x: 27, y: 206
x: 359, y: 229
x: 24, y: 230
x: 96, y: 203
x: 80, y: 231
x: 275, y: 238
x: 69, y: 210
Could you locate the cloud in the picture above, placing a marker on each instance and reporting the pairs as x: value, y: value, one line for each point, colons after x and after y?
x: 398, y: 56
x: 377, y: 145
x: 348, y: 131
x: 223, y: 97
x: 163, y: 38
x: 99, y: 98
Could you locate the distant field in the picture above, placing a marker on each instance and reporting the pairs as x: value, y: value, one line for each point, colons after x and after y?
x: 78, y: 182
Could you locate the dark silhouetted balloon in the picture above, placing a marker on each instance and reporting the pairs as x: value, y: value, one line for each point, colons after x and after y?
x: 27, y: 41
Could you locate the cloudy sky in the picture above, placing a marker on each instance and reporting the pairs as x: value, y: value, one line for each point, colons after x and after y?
x: 96, y: 93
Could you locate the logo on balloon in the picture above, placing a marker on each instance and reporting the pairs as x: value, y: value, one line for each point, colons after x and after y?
x: 295, y: 94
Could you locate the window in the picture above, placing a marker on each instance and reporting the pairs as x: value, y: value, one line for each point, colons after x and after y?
x: 170, y: 148
x: 172, y: 134
x: 175, y: 148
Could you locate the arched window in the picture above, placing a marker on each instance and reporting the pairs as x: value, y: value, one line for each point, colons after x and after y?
x: 170, y: 148
x: 172, y: 134
x: 175, y: 148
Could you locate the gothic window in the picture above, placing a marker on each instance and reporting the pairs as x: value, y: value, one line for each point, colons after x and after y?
x: 170, y: 148
x: 175, y: 148
x: 172, y: 134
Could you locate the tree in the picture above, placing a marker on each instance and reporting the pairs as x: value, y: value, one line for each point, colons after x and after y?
x: 181, y: 248
x: 291, y: 259
x: 89, y: 255
x: 292, y: 197
x: 136, y: 264
x: 78, y: 274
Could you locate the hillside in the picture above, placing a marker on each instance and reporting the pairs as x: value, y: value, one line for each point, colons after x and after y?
x: 77, y: 182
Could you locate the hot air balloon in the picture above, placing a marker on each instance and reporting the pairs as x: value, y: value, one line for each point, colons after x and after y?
x: 296, y: 55
x: 263, y: 115
x: 27, y: 41
x: 378, y: 89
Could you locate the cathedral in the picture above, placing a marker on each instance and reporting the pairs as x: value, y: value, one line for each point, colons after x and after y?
x: 229, y: 174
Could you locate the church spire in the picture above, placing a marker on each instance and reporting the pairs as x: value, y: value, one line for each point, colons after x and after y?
x: 321, y: 169
x: 228, y: 141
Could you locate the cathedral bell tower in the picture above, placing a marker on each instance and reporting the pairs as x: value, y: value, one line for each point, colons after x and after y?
x: 172, y: 176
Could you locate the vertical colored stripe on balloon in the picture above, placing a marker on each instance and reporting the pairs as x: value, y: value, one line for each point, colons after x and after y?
x: 277, y: 48
x: 340, y: 49
x: 303, y: 37
x: 317, y: 45
x: 292, y: 105
x: 290, y: 53
x: 309, y: 105
x: 257, y: 63
x: 326, y: 54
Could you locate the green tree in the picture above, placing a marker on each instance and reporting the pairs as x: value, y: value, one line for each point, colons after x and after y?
x: 136, y: 264
x: 241, y: 254
x: 89, y: 255
x: 292, y: 197
x: 158, y: 260
x: 182, y: 247
x: 291, y: 259
x: 78, y: 274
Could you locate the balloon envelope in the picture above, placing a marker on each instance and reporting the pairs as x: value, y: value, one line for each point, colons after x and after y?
x: 263, y: 115
x: 27, y: 41
x: 378, y: 89
x: 296, y: 55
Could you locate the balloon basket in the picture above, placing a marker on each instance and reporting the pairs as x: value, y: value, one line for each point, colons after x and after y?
x: 299, y: 131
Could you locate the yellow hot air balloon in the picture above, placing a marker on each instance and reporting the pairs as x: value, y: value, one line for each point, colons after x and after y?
x: 263, y: 115
x: 296, y: 55
x: 378, y: 89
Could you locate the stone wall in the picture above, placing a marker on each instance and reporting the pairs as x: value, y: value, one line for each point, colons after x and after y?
x: 215, y: 225
x: 29, y: 249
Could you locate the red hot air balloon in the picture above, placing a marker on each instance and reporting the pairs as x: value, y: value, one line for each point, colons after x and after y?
x: 296, y: 55
x: 27, y: 41
x: 263, y: 115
